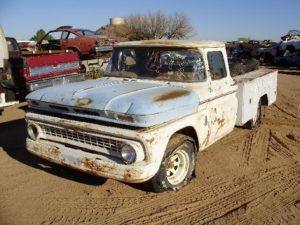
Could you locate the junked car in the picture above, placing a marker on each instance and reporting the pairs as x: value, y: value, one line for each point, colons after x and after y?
x: 291, y: 41
x: 292, y: 60
x: 159, y: 104
x: 83, y: 41
x: 33, y: 71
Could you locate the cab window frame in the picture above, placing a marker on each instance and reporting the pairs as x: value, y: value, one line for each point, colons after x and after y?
x: 216, y: 66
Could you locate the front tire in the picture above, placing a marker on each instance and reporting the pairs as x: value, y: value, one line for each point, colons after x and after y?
x: 177, y: 166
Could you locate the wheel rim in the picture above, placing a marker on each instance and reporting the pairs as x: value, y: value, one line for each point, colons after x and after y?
x: 177, y: 167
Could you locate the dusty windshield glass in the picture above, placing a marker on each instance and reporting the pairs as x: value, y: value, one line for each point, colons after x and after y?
x: 157, y: 63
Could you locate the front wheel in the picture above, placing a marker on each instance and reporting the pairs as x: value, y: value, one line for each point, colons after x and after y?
x: 177, y: 166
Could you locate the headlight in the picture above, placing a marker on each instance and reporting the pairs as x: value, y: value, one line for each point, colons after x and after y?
x: 33, y: 131
x: 128, y: 154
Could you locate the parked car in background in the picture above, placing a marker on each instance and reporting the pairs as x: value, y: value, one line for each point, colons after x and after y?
x: 291, y: 41
x: 32, y: 71
x: 83, y: 41
x: 243, y: 49
x: 290, y: 60
x: 290, y: 35
x: 268, y: 51
x: 240, y: 59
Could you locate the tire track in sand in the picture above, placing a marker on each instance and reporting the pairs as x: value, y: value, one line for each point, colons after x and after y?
x: 254, y: 148
x: 199, y: 212
x: 84, y: 209
x: 279, y: 207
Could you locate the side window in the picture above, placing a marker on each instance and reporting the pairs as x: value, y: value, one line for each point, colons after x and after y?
x: 71, y: 36
x: 64, y: 35
x: 216, y: 65
x: 56, y: 35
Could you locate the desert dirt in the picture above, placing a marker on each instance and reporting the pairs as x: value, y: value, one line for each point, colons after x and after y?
x: 248, y: 177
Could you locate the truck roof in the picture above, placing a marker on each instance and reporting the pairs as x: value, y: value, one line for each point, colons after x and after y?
x: 173, y: 43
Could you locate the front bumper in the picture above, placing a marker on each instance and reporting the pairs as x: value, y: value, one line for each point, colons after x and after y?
x: 53, y: 81
x: 88, y: 162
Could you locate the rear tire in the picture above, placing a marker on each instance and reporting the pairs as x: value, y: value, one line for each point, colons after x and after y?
x: 177, y: 166
x: 291, y: 48
x: 77, y: 51
x: 256, y: 121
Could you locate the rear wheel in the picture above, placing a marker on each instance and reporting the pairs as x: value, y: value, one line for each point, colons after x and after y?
x: 177, y: 166
x: 77, y: 51
x: 256, y: 121
x: 290, y: 48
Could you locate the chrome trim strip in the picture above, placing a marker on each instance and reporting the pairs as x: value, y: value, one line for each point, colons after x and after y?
x: 219, y: 96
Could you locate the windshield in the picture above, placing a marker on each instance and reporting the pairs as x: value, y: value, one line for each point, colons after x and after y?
x: 294, y: 32
x: 157, y: 63
x: 87, y: 32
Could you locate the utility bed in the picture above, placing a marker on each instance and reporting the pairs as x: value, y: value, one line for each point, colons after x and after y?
x: 251, y: 86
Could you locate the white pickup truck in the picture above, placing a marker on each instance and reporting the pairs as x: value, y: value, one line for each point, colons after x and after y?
x: 160, y: 103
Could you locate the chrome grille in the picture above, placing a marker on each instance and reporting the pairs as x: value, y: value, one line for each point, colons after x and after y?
x: 88, y: 139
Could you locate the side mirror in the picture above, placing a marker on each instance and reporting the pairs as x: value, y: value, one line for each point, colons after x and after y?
x: 234, y: 83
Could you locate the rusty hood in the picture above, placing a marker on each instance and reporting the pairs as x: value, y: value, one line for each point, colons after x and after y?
x: 134, y: 103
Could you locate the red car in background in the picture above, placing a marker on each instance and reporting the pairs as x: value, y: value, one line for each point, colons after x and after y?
x: 83, y: 41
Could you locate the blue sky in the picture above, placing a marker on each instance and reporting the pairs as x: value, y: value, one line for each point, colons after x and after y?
x: 216, y: 20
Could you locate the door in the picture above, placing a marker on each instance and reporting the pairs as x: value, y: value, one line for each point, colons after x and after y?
x: 223, y: 105
x: 64, y: 42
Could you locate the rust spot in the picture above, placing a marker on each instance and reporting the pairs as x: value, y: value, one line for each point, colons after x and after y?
x: 160, y: 42
x: 219, y: 121
x: 35, y: 149
x: 206, y: 140
x: 150, y: 141
x: 127, y: 176
x: 171, y: 95
x: 222, y: 124
x: 93, y: 167
x: 55, y: 152
x: 82, y: 101
x: 171, y: 43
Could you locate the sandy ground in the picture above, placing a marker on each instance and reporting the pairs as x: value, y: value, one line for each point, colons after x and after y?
x: 248, y: 177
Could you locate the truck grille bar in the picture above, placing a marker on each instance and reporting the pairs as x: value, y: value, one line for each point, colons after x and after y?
x: 55, y: 133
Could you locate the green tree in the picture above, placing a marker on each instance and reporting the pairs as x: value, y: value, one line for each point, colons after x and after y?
x: 39, y: 35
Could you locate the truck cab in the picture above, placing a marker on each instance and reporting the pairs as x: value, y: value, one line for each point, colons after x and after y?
x: 160, y: 102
